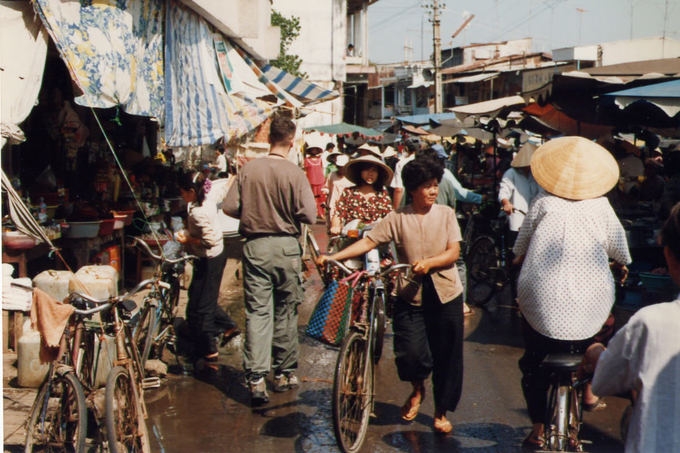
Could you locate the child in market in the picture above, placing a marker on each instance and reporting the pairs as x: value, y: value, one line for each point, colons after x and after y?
x: 206, y: 319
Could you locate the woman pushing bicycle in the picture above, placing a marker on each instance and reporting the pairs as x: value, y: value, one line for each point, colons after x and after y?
x: 428, y: 314
x: 566, y: 288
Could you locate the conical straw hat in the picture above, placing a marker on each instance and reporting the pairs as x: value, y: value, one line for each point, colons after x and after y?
x: 523, y: 156
x: 574, y: 168
x: 353, y: 170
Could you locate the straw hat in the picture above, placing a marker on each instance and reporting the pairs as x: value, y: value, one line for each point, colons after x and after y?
x: 373, y: 150
x: 332, y: 155
x: 314, y: 143
x: 353, y: 168
x: 574, y: 168
x: 389, y: 152
x: 523, y: 156
x: 341, y: 160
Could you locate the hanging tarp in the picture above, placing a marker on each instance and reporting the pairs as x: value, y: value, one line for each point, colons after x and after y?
x: 23, y: 49
x: 198, y: 109
x: 305, y: 91
x: 113, y: 51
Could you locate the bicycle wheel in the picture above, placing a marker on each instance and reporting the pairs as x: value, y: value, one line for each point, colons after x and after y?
x: 557, y: 418
x: 378, y: 336
x: 58, y: 419
x: 125, y: 427
x: 145, y: 332
x: 481, y: 260
x: 352, y: 393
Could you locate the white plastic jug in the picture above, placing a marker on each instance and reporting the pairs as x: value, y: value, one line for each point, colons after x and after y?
x: 30, y: 372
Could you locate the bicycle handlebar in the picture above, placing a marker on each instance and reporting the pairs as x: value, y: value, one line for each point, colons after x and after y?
x: 137, y: 241
x: 395, y: 267
x: 340, y: 266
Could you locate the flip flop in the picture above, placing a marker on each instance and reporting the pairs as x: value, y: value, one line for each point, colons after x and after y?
x: 598, y: 405
x: 442, y: 426
x: 410, y: 411
x: 533, y: 442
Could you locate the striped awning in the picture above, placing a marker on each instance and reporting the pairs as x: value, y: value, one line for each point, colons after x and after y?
x: 305, y: 91
x: 199, y: 109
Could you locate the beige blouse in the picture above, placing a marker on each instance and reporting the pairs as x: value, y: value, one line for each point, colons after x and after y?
x: 423, y: 236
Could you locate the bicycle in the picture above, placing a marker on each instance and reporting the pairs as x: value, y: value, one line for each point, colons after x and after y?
x: 361, y: 348
x: 125, y: 410
x: 155, y: 329
x: 58, y: 420
x: 488, y: 264
x: 564, y: 406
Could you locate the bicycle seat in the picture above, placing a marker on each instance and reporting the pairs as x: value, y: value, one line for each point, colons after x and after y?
x: 562, y: 361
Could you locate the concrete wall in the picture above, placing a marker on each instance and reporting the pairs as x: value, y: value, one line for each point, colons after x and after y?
x: 246, y: 21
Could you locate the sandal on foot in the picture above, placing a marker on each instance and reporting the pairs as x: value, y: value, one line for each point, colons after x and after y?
x: 409, y: 411
x: 442, y: 426
x: 598, y: 405
x: 533, y: 442
x: 229, y: 335
x: 212, y: 357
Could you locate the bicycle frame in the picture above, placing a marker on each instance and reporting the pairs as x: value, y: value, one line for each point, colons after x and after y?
x: 564, y: 409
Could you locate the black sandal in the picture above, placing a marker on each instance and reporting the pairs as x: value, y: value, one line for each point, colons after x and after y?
x: 229, y: 335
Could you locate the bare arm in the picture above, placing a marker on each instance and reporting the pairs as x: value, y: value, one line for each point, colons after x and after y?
x: 396, y: 198
x: 444, y: 259
x: 357, y: 249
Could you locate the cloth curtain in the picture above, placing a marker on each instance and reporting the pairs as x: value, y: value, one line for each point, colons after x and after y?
x: 23, y: 50
x: 112, y: 49
x: 199, y: 109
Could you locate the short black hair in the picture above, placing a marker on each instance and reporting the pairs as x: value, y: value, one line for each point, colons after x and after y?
x: 419, y: 171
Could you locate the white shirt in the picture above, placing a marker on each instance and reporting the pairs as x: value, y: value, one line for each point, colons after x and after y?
x: 565, y: 287
x: 397, y: 182
x: 644, y: 355
x: 221, y: 163
x: 519, y: 190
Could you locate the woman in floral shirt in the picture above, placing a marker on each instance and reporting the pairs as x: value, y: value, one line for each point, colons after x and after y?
x: 368, y: 200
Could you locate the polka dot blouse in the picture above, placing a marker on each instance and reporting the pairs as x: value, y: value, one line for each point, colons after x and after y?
x: 566, y: 288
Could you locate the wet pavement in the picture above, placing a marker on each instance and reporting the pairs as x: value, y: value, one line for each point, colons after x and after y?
x: 209, y: 411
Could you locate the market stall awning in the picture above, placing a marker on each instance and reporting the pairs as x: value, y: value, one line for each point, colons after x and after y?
x: 114, y: 53
x: 664, y: 95
x: 304, y: 90
x: 474, y: 78
x: 565, y: 124
x: 346, y: 130
x: 199, y: 109
x: 493, y: 107
x: 425, y: 118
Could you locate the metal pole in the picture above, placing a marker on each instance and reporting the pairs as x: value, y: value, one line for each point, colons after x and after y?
x: 437, y: 58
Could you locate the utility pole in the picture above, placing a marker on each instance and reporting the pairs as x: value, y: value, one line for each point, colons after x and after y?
x: 437, y: 53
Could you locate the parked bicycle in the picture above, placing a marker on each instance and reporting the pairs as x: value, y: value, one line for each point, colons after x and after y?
x: 125, y: 410
x: 156, y: 329
x: 488, y: 263
x: 564, y: 408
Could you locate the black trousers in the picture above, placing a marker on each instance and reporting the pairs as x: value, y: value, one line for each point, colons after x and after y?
x: 534, y: 380
x: 429, y: 338
x: 206, y: 319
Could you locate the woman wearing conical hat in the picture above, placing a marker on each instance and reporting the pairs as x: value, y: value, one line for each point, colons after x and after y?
x: 566, y: 244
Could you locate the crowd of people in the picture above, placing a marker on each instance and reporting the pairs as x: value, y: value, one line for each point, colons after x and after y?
x: 568, y: 245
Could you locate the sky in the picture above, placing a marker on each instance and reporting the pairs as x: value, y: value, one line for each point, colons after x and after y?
x: 553, y: 24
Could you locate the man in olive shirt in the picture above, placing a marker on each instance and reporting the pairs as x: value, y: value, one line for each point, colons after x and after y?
x: 272, y: 197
